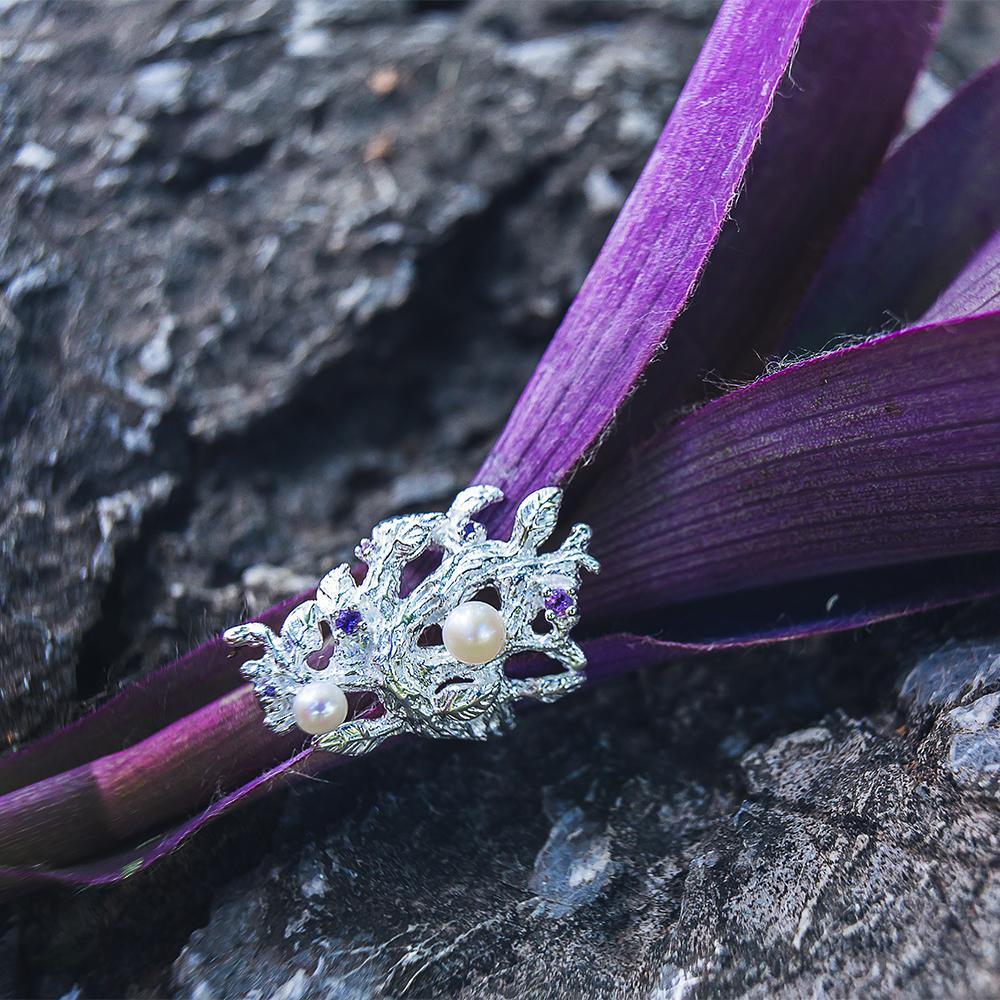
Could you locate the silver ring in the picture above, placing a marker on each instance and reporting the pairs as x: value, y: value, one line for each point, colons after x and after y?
x: 432, y: 659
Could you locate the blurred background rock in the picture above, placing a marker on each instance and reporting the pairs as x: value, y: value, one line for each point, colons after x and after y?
x: 272, y: 271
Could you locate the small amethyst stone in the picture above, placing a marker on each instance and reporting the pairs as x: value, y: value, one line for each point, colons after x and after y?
x: 469, y: 530
x: 560, y: 602
x: 348, y: 621
x: 270, y: 691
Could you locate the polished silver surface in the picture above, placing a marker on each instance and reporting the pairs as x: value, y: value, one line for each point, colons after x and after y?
x: 367, y: 637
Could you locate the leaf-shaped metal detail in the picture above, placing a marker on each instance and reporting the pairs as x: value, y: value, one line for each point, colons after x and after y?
x: 358, y: 737
x: 336, y: 589
x: 536, y: 518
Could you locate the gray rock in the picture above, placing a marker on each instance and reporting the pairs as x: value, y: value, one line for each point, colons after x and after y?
x: 974, y: 747
x: 160, y: 86
x: 573, y: 867
x: 956, y: 670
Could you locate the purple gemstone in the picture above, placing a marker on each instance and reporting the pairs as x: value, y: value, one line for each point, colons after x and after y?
x: 348, y: 620
x: 270, y: 691
x: 559, y: 601
x: 469, y: 530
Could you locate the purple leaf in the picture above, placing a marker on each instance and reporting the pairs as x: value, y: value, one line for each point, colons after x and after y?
x: 139, y: 710
x: 876, y: 455
x: 223, y: 747
x: 121, y: 795
x: 655, y: 252
x: 843, y: 83
x: 107, y: 870
x: 975, y: 290
x: 933, y: 204
x: 742, y: 122
x: 830, y: 603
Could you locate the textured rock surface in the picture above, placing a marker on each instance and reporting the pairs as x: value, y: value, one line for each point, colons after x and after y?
x: 272, y: 271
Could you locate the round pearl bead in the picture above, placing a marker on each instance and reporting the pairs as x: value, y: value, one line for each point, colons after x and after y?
x: 319, y: 707
x: 474, y: 632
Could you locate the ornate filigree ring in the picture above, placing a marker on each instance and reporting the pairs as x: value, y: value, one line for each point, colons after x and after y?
x: 432, y: 659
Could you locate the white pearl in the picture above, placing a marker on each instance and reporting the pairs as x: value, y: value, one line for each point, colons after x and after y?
x: 319, y: 707
x: 474, y: 632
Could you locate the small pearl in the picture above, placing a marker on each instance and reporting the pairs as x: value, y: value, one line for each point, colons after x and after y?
x: 319, y: 707
x: 474, y: 632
